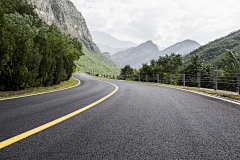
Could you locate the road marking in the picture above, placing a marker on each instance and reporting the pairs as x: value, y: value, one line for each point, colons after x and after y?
x: 54, y: 122
x: 79, y: 82
x: 197, y: 92
x: 205, y: 94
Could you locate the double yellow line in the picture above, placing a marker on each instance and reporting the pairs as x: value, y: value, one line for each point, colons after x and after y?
x: 52, y: 123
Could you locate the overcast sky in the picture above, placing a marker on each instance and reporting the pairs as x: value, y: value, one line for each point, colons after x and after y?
x: 165, y: 22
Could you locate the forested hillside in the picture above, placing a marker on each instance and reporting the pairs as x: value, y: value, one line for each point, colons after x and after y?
x: 213, y: 52
x: 32, y: 52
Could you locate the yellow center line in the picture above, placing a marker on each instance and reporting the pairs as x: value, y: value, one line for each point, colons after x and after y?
x: 49, y: 124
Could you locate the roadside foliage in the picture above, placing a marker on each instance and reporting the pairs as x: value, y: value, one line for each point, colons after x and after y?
x: 32, y: 53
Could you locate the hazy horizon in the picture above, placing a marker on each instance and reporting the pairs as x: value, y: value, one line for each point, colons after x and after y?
x: 163, y: 22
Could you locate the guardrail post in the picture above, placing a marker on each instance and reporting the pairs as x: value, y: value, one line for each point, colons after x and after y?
x: 183, y: 79
x: 157, y: 78
x: 215, y: 80
x: 146, y: 77
x: 238, y: 79
x: 139, y: 77
x: 198, y: 79
x: 171, y: 79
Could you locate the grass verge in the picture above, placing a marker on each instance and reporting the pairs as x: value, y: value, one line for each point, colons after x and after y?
x: 35, y: 90
x: 221, y: 94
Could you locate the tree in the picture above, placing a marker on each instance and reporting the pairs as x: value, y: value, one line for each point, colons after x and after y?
x: 169, y: 63
x: 127, y: 70
x: 195, y: 66
x: 33, y: 53
x: 146, y: 69
x: 230, y: 69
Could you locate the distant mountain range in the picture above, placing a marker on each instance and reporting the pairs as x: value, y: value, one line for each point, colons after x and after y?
x: 182, y: 48
x: 106, y: 48
x: 161, y: 48
x: 106, y: 39
x: 147, y: 51
x: 110, y: 44
x: 135, y: 56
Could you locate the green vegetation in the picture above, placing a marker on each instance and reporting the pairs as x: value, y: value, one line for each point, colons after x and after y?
x: 33, y: 53
x: 166, y: 64
x: 36, y: 90
x: 170, y: 70
x: 95, y: 62
x: 127, y: 70
x: 213, y: 52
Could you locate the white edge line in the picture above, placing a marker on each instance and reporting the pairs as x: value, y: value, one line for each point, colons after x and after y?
x: 79, y: 82
x: 205, y: 94
x: 197, y: 92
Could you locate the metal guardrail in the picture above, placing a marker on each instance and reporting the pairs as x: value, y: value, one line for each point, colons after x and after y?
x: 230, y: 80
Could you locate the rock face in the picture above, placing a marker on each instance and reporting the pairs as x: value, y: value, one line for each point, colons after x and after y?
x: 135, y: 56
x: 66, y: 16
x: 182, y: 48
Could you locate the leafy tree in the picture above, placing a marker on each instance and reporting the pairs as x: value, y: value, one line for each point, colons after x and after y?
x: 196, y: 65
x: 232, y: 61
x: 146, y: 69
x: 32, y: 52
x: 7, y: 41
x: 230, y: 70
x: 127, y: 70
x: 136, y: 71
x: 168, y: 64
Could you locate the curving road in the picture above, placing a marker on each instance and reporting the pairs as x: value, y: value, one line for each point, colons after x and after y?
x: 139, y: 121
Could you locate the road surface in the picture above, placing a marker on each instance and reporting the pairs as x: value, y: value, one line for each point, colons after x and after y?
x: 139, y: 121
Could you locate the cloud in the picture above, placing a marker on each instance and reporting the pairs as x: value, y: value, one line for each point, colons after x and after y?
x: 164, y: 21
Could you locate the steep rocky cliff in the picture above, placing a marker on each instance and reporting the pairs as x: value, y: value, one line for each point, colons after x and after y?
x: 65, y: 15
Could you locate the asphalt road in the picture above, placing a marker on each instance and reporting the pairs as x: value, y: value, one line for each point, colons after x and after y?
x: 139, y: 121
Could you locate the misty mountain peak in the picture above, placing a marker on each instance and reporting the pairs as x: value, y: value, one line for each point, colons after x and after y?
x: 149, y: 41
x: 135, y: 56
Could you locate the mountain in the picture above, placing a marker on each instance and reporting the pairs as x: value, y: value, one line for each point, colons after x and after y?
x: 107, y: 55
x: 161, y: 48
x: 106, y: 39
x: 64, y: 14
x: 106, y: 48
x: 147, y: 51
x: 213, y: 52
x: 182, y: 48
x: 135, y: 56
